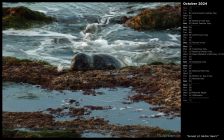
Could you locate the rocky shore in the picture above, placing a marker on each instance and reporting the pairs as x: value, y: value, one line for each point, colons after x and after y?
x: 160, y: 18
x: 155, y: 84
x: 43, y: 123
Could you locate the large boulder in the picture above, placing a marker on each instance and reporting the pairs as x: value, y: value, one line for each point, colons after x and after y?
x: 82, y: 61
x: 161, y: 18
x: 22, y: 18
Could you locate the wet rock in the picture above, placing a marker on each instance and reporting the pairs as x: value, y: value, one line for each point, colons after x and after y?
x: 70, y: 101
x: 79, y: 125
x: 57, y: 111
x: 33, y: 72
x: 27, y: 120
x: 29, y: 96
x: 126, y: 102
x: 10, y: 133
x: 161, y: 18
x: 119, y: 19
x: 78, y: 112
x: 97, y: 107
x: 71, y: 111
x: 156, y: 108
x: 22, y: 17
x: 89, y: 92
x: 155, y: 88
x: 67, y: 103
x: 131, y: 11
x: 82, y: 61
x: 143, y: 116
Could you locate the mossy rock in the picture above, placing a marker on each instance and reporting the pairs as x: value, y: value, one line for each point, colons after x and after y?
x: 161, y: 18
x: 23, y: 18
x: 7, y: 60
x: 7, y: 133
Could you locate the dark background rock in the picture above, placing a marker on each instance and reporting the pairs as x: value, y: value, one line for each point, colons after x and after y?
x: 161, y: 18
x: 22, y: 18
x: 119, y: 19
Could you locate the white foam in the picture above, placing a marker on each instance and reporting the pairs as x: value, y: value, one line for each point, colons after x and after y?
x: 99, y: 45
x: 41, y: 53
x: 52, y: 8
x: 91, y: 28
x: 42, y: 11
x: 169, y: 43
x: 101, y: 42
x: 88, y: 36
x: 127, y: 45
x: 112, y: 29
x: 60, y: 68
x: 106, y: 18
x: 36, y: 32
x: 154, y: 39
x: 174, y: 37
x: 157, y: 50
x: 127, y: 60
x: 122, y: 108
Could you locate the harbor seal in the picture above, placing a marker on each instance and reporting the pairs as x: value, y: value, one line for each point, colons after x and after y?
x: 83, y: 61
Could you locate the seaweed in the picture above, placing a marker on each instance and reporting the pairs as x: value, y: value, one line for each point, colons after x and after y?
x: 11, y: 133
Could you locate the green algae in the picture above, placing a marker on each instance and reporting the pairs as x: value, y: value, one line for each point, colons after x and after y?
x: 23, y: 18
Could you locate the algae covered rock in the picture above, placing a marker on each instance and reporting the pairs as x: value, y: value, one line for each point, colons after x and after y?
x: 22, y: 18
x: 11, y: 133
x: 161, y: 18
